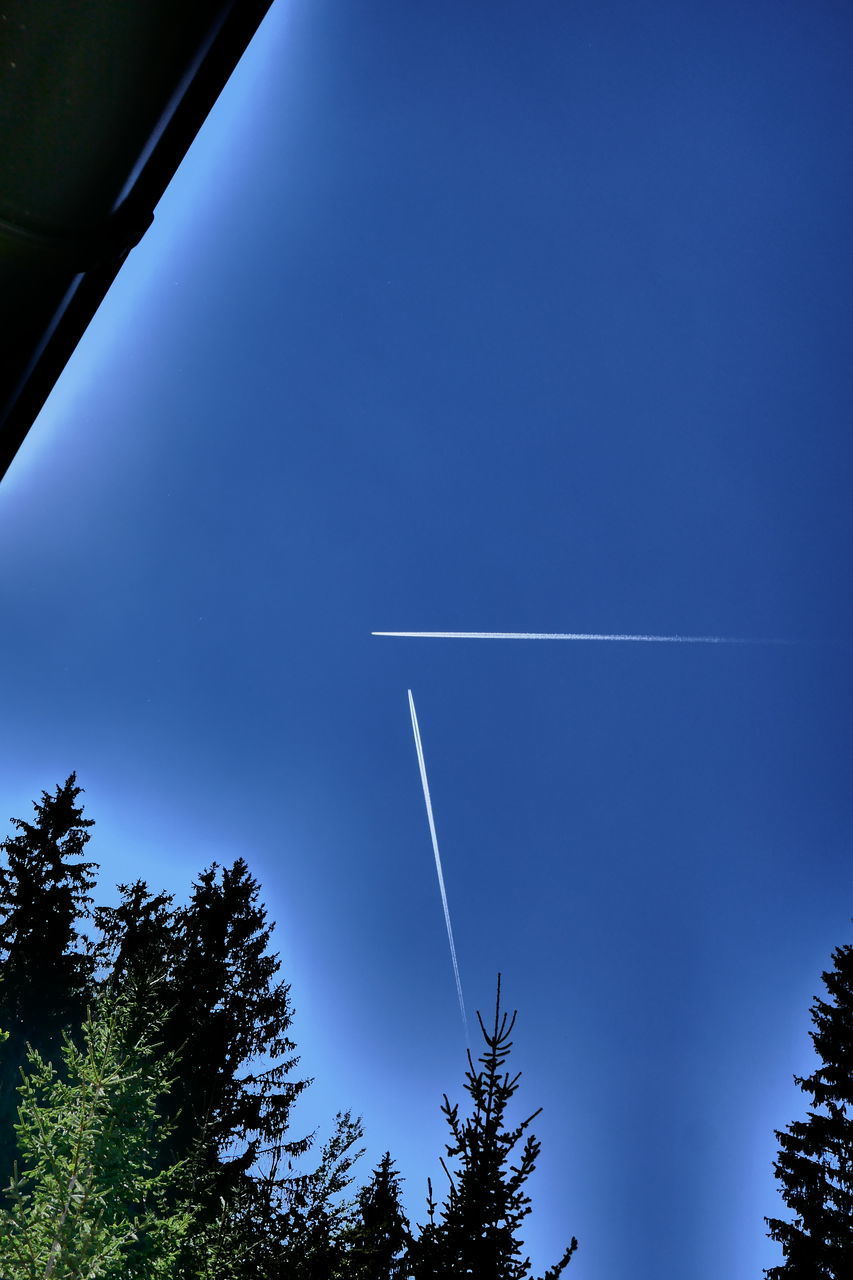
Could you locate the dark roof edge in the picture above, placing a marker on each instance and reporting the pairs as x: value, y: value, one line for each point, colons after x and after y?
x: 64, y: 329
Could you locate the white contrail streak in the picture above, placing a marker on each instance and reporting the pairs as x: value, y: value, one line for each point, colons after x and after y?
x: 442, y: 890
x: 568, y: 635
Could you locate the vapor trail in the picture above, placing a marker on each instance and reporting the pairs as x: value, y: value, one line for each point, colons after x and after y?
x: 442, y: 890
x: 569, y: 635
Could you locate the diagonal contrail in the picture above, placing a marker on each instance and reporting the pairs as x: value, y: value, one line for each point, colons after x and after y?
x: 569, y: 635
x: 442, y: 890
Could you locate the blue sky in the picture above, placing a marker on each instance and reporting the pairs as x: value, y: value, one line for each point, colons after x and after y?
x: 469, y: 317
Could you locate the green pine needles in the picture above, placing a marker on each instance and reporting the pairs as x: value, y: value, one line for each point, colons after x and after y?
x: 147, y: 1087
x: 85, y: 1199
x: 44, y: 963
x: 147, y: 1084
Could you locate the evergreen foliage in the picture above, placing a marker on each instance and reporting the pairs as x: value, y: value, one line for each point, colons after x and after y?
x: 477, y: 1233
x: 307, y: 1220
x: 381, y: 1237
x: 44, y: 962
x: 136, y: 938
x: 231, y: 1013
x: 224, y: 1017
x: 176, y: 1159
x: 227, y: 1014
x: 815, y: 1163
x: 85, y: 1201
x: 226, y: 1020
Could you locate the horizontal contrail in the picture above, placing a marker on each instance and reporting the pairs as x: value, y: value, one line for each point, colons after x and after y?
x: 569, y: 635
x: 442, y: 890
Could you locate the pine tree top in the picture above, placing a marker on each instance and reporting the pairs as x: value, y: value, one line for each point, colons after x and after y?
x: 43, y: 855
x: 44, y: 892
x: 815, y: 1161
x: 487, y: 1201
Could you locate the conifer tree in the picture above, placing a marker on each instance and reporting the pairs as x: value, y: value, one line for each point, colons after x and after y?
x: 137, y: 937
x: 84, y: 1200
x: 815, y: 1163
x: 381, y: 1236
x: 306, y: 1222
x: 227, y: 1017
x: 230, y: 1016
x: 224, y: 1015
x: 44, y: 965
x: 477, y: 1232
x: 135, y: 949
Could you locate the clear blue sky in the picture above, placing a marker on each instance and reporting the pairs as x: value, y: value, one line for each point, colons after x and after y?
x: 486, y: 317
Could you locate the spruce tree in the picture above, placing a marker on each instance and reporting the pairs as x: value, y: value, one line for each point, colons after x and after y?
x: 477, y: 1232
x: 229, y: 1022
x: 85, y: 1200
x: 225, y: 1016
x: 381, y: 1236
x: 136, y: 937
x: 45, y: 967
x: 311, y: 1217
x: 226, y: 1020
x: 136, y: 950
x: 227, y: 1013
x: 815, y: 1163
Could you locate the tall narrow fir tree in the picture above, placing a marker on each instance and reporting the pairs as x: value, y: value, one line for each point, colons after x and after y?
x: 815, y: 1163
x: 477, y: 1232
x: 45, y: 966
x: 381, y: 1237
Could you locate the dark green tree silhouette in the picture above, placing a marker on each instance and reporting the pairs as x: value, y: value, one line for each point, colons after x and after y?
x: 815, y: 1163
x: 204, y: 974
x: 477, y: 1232
x: 226, y: 1020
x: 136, y: 938
x: 227, y: 1012
x: 45, y: 968
x: 381, y: 1238
x: 305, y: 1226
x: 230, y: 1020
x: 135, y: 950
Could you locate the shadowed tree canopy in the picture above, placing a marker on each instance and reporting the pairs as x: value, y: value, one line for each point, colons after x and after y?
x: 309, y: 1218
x: 45, y: 967
x: 381, y: 1237
x: 230, y: 1184
x: 136, y: 939
x: 815, y: 1163
x: 230, y: 1024
x: 228, y: 1014
x: 203, y: 972
x: 226, y: 1020
x: 477, y: 1232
